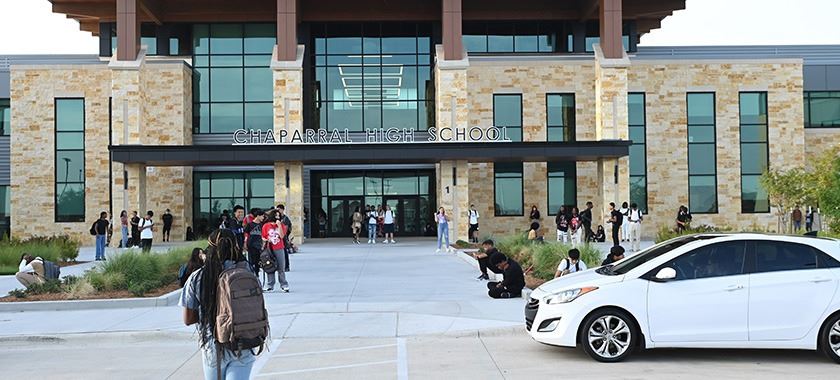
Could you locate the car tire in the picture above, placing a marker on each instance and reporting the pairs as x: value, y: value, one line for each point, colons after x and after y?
x: 609, y: 335
x: 830, y: 338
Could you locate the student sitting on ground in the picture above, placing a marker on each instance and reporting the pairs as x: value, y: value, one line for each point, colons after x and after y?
x: 30, y: 271
x: 511, y: 286
x: 600, y: 235
x: 616, y: 253
x: 570, y: 264
x: 534, y: 232
x: 484, y: 259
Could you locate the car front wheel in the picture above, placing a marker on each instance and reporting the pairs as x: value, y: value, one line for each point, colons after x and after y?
x: 609, y: 335
x: 830, y: 338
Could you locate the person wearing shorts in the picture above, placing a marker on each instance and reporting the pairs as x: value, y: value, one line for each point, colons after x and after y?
x: 388, y: 224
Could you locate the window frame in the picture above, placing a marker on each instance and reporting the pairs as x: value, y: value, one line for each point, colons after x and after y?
x: 644, y: 142
x: 752, y: 252
x: 808, y: 111
x: 521, y: 112
x: 548, y: 177
x: 713, y: 143
x: 741, y: 143
x: 6, y: 106
x: 521, y: 189
x: 56, y: 150
x: 570, y: 130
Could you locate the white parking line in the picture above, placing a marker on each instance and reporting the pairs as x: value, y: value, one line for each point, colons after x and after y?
x: 402, y: 360
x: 327, y: 368
x: 263, y: 359
x: 336, y: 350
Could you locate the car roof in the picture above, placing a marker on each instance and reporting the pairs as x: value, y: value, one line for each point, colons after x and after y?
x: 830, y: 245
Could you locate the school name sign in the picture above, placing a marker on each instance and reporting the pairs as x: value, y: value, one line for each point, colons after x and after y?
x: 378, y: 135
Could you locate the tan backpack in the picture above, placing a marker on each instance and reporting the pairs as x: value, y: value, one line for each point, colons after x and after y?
x: 241, y: 318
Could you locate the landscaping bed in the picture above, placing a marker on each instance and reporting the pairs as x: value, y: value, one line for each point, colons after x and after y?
x: 127, y: 274
x: 58, y: 249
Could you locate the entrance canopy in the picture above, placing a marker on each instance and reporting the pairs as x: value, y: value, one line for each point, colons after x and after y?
x: 369, y: 153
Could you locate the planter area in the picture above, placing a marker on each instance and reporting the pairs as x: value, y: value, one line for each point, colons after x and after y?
x: 58, y: 249
x: 127, y: 274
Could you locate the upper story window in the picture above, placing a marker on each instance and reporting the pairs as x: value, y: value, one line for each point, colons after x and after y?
x: 370, y: 76
x: 168, y: 39
x: 510, y: 37
x: 560, y: 117
x: 233, y: 86
x: 507, y: 113
x: 5, y: 117
x: 822, y: 109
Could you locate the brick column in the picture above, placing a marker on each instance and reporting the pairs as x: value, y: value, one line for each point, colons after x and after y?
x: 288, y: 190
x: 453, y: 195
x: 450, y: 92
x: 611, y: 124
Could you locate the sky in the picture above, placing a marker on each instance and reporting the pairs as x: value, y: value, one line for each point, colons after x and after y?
x: 30, y: 27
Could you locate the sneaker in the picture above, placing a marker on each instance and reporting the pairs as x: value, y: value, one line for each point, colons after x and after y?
x: 385, y: 241
x: 393, y: 242
x: 483, y: 277
x: 437, y: 250
x: 370, y: 241
x: 268, y: 289
x: 285, y: 289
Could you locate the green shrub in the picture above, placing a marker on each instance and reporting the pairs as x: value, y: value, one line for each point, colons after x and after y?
x: 138, y: 272
x: 49, y: 286
x: 18, y: 293
x: 543, y: 257
x: 56, y: 248
x: 80, y: 289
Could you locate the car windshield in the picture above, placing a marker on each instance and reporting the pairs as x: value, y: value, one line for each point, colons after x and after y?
x: 651, y: 253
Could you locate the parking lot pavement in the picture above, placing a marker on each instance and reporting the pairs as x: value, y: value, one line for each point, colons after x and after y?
x: 490, y: 354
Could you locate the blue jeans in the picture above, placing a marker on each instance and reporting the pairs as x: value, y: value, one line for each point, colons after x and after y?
x: 233, y: 368
x: 371, y: 231
x: 124, y: 236
x: 443, y: 233
x: 100, y: 246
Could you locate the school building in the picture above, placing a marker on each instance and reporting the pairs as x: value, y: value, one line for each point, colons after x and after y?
x: 330, y: 105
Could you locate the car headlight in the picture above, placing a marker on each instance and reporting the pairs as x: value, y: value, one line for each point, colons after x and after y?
x: 567, y: 296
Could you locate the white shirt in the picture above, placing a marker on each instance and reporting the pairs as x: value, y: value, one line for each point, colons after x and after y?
x: 567, y: 264
x: 28, y: 268
x: 372, y: 217
x: 389, y: 217
x: 473, y: 217
x: 635, y: 216
x: 146, y: 233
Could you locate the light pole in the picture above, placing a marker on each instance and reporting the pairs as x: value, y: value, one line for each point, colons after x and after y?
x: 66, y: 174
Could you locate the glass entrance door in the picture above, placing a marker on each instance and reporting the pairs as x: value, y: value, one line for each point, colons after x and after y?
x: 340, y: 216
x: 406, y: 215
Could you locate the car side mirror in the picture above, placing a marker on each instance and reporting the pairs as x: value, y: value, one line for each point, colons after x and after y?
x: 666, y: 274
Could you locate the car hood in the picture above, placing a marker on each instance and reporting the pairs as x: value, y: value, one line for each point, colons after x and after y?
x: 575, y: 280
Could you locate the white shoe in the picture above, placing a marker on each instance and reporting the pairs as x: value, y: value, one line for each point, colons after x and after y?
x: 285, y: 289
x: 373, y: 242
x: 369, y: 241
x: 393, y: 242
x: 385, y: 241
x: 437, y: 250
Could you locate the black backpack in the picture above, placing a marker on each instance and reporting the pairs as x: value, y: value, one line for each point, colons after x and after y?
x: 93, y: 229
x: 51, y: 270
x: 268, y: 262
x: 569, y: 265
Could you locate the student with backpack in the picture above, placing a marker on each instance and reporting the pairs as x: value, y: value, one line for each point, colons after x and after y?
x: 222, y: 294
x: 273, y: 232
x: 253, y: 239
x: 570, y: 264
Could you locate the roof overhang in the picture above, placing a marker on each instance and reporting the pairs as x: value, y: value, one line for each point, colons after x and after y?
x: 368, y: 153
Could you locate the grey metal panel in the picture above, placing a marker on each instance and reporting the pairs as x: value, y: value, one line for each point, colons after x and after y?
x: 832, y: 77
x: 811, y: 54
x: 5, y: 84
x: 214, y: 139
x: 5, y: 151
x: 814, y: 77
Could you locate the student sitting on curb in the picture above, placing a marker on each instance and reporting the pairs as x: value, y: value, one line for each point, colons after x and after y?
x: 30, y: 270
x: 570, y: 264
x: 514, y: 281
x: 484, y: 259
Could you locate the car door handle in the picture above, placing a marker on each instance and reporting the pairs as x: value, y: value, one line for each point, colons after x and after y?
x: 819, y: 280
x: 732, y: 288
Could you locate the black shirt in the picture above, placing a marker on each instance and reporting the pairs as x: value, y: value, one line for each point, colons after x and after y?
x: 618, y: 217
x: 586, y: 217
x: 135, y: 230
x: 514, y: 278
x: 101, y: 226
x: 607, y: 261
x: 167, y: 220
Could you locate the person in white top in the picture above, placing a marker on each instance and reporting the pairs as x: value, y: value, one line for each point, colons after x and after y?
x: 634, y: 226
x: 473, y: 230
x: 146, y: 231
x: 625, y: 232
x: 388, y: 224
x: 570, y: 264
x: 443, y: 229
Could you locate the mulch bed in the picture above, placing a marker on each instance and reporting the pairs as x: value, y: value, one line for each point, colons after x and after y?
x: 98, y: 295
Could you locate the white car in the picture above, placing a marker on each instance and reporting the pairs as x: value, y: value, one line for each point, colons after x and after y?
x: 698, y: 291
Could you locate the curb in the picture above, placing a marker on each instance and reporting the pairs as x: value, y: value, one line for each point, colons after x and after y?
x: 119, y: 303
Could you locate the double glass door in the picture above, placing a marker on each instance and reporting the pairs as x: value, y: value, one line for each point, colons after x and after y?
x: 340, y: 216
x: 406, y: 215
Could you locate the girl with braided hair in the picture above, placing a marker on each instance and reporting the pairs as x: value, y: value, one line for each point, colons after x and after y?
x: 198, y: 298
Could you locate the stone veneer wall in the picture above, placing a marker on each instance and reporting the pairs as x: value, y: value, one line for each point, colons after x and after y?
x: 33, y: 93
x: 665, y: 84
x: 819, y: 141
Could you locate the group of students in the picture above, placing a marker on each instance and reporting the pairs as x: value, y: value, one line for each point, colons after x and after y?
x: 374, y: 220
x: 136, y: 232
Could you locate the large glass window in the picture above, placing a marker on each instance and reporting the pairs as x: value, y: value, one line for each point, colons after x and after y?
x: 507, y: 112
x: 562, y: 185
x: 508, y: 189
x: 822, y: 109
x: 638, y: 152
x: 772, y: 256
x: 370, y: 76
x: 560, y: 117
x: 504, y: 37
x: 5, y: 117
x: 754, y: 155
x: 69, y: 160
x: 232, y: 82
x: 702, y: 159
x: 215, y: 192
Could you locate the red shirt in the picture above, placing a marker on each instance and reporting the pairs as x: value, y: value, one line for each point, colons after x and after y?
x: 273, y: 236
